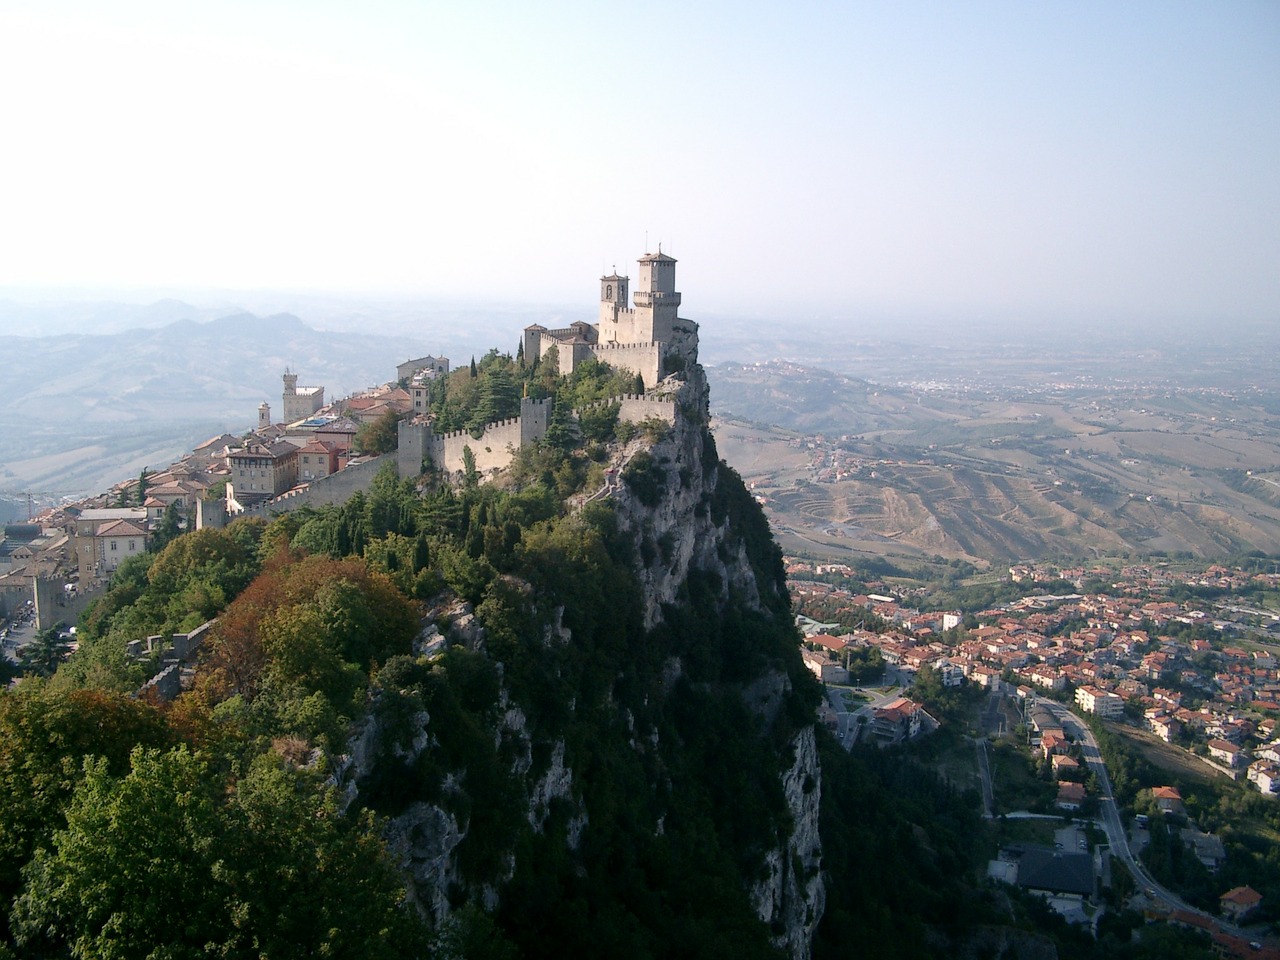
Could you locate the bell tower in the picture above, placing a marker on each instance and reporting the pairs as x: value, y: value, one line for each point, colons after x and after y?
x: 614, y: 296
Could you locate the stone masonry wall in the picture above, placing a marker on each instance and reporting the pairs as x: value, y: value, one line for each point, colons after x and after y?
x: 335, y: 488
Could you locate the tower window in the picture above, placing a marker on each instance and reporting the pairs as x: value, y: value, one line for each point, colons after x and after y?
x: 608, y: 291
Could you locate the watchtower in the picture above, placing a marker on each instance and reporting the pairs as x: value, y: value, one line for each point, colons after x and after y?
x: 614, y: 297
x: 656, y: 299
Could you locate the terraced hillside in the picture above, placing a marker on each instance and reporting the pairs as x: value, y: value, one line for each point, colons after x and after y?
x: 965, y: 471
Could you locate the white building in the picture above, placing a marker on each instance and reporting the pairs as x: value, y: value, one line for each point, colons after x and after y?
x: 1093, y: 700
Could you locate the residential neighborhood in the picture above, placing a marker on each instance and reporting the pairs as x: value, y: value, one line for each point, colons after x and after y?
x: 61, y: 559
x: 1196, y: 675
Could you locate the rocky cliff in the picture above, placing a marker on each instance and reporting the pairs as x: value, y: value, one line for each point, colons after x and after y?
x: 617, y: 740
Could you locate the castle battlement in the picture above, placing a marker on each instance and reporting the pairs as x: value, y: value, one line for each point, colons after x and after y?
x: 611, y: 345
x: 637, y: 337
x: 630, y: 398
x: 561, y: 333
x: 496, y: 425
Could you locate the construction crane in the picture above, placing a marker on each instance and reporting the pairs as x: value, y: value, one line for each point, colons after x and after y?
x: 30, y: 496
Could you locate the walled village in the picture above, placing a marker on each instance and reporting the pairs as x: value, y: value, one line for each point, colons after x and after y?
x: 321, y: 453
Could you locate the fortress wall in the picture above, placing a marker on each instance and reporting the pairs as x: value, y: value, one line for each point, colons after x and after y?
x: 535, y: 415
x: 642, y: 358
x: 626, y: 327
x: 492, y: 451
x: 413, y: 443
x: 568, y: 353
x: 336, y: 488
x: 636, y: 408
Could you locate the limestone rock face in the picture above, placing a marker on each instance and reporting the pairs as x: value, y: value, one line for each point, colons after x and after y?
x: 422, y: 839
x: 791, y: 897
x: 679, y: 532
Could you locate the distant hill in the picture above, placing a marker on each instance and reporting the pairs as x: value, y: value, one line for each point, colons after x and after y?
x: 1081, y: 465
x: 85, y: 410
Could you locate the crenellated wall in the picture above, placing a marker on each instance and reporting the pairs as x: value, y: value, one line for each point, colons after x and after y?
x: 638, y: 407
x: 498, y: 445
x: 493, y: 449
x: 642, y: 358
x: 334, y: 489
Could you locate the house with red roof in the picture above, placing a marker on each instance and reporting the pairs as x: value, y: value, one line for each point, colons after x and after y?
x: 1239, y: 902
x: 1168, y: 799
x: 1070, y: 795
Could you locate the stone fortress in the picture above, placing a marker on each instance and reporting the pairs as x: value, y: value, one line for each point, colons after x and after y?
x: 648, y: 339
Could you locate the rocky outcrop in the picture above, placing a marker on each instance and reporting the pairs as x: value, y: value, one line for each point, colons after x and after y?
x: 422, y: 840
x: 679, y: 530
x: 682, y: 531
x: 683, y: 511
x: 791, y: 896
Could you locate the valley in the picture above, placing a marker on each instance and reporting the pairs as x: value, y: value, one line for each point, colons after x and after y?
x: 1084, y: 463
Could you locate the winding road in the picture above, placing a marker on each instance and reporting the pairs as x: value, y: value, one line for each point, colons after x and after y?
x: 1117, y: 836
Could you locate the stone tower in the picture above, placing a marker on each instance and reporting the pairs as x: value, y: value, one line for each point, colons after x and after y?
x: 613, y: 296
x: 657, y: 302
x: 264, y: 415
x: 300, y: 402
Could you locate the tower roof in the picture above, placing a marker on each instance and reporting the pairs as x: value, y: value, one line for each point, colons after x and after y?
x: 658, y: 257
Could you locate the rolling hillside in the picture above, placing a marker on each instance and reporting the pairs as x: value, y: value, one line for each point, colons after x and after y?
x: 845, y: 465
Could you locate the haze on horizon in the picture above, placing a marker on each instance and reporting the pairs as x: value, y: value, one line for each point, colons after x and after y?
x: 1037, y: 163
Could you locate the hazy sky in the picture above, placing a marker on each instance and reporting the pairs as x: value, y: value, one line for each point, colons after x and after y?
x: 1071, y: 161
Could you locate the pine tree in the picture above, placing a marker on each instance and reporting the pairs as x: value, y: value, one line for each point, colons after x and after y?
x: 560, y: 432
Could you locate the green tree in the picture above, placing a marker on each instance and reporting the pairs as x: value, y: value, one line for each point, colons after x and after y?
x: 470, y: 476
x: 42, y: 656
x: 498, y: 398
x: 130, y: 874
x: 167, y: 862
x: 561, y: 432
x: 44, y: 737
x: 381, y: 436
x: 169, y: 528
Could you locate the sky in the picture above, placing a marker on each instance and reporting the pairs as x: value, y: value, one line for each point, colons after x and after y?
x: 1043, y: 163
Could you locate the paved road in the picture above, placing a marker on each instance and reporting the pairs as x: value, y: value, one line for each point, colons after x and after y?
x: 984, y: 775
x: 847, y: 726
x: 1117, y: 836
x: 20, y: 634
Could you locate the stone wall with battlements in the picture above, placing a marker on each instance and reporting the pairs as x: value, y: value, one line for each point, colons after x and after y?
x: 337, y: 488
x: 636, y: 408
x: 493, y: 449
x: 644, y: 359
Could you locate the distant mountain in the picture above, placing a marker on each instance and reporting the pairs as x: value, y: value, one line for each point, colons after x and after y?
x: 81, y: 409
x: 56, y: 317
